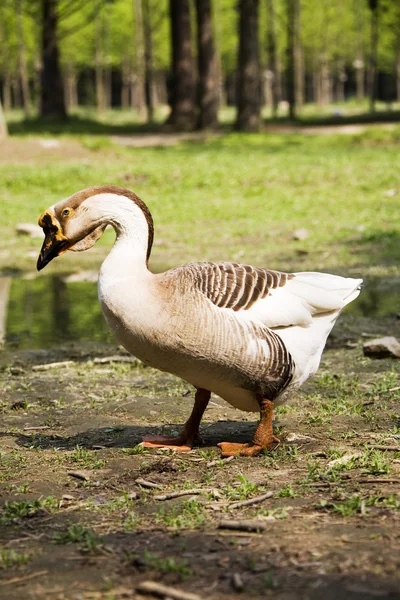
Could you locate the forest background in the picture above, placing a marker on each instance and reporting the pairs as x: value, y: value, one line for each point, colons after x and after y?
x: 196, y: 56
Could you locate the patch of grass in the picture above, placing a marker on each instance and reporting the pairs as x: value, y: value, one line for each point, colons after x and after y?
x: 168, y: 564
x: 357, y: 505
x: 276, y: 513
x: 14, y: 511
x: 241, y: 490
x: 11, y: 464
x: 79, y: 534
x: 82, y: 457
x: 189, y: 515
x: 135, y: 450
x: 12, y: 558
x: 287, y: 492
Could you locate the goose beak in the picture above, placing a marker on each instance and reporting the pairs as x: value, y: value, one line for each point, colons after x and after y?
x: 55, y: 242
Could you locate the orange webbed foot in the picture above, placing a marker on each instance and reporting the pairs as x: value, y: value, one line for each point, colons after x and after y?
x: 178, y: 444
x: 232, y: 449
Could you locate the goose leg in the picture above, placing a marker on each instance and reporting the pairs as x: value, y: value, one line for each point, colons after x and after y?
x: 185, y: 441
x: 263, y: 437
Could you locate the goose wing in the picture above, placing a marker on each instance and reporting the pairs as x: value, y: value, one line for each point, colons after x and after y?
x: 274, y: 298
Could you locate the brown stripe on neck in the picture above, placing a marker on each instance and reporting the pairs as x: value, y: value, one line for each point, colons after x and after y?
x: 76, y: 199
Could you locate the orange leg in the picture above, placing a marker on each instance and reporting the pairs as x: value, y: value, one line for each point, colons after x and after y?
x: 263, y: 437
x: 189, y: 435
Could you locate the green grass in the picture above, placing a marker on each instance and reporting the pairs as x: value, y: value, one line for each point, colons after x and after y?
x: 235, y: 197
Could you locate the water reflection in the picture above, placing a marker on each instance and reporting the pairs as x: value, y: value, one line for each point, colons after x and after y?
x: 48, y: 311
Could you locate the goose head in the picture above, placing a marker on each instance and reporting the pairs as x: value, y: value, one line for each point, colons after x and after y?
x: 77, y: 222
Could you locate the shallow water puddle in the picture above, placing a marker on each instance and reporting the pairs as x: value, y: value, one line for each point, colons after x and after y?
x: 48, y: 311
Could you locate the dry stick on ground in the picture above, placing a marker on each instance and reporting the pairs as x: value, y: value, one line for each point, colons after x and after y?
x: 24, y: 578
x: 255, y: 500
x: 213, y: 463
x: 165, y: 591
x: 243, y: 525
x: 381, y: 447
x: 371, y: 480
x: 37, y: 427
x: 148, y: 484
x: 191, y: 492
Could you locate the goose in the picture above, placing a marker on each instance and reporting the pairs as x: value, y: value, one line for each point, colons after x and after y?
x: 250, y: 335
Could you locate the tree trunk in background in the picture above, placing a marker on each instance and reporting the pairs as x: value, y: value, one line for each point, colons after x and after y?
x: 52, y: 102
x: 183, y: 109
x: 249, y: 76
x: 291, y: 72
x: 100, y: 101
x: 298, y: 59
x: 273, y: 65
x: 341, y: 78
x: 107, y: 72
x: 71, y: 91
x: 3, y: 124
x: 398, y: 75
x: 7, y: 92
x: 140, y: 99
x: 372, y: 80
x: 359, y: 62
x: 324, y: 87
x: 22, y: 68
x: 148, y: 61
x: 207, y: 65
x: 125, y: 83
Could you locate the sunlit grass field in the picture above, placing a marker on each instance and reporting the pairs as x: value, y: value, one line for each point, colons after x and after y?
x: 231, y: 197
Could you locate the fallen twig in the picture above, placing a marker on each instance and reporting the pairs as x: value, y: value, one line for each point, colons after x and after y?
x: 55, y: 365
x: 242, y: 525
x: 318, y: 484
x: 213, y: 463
x: 148, y: 484
x: 388, y: 448
x: 36, y: 427
x: 24, y: 578
x: 255, y: 500
x: 165, y: 591
x: 78, y: 475
x: 192, y: 492
x: 372, y: 480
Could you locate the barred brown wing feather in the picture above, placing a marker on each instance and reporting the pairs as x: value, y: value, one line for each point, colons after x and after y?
x: 230, y: 285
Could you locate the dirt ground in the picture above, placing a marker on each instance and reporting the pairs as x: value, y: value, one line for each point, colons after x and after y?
x: 77, y: 521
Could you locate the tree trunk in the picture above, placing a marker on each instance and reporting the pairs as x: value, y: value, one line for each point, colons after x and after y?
x: 249, y: 76
x: 291, y: 64
x: 359, y: 62
x: 324, y: 82
x: 3, y: 124
x: 398, y: 74
x: 22, y: 68
x: 207, y: 65
x: 52, y: 91
x: 71, y: 92
x: 140, y: 98
x: 298, y: 59
x: 372, y: 80
x: 107, y: 70
x: 148, y: 61
x: 6, y: 91
x: 273, y: 64
x: 183, y: 110
x: 125, y: 83
x: 100, y: 101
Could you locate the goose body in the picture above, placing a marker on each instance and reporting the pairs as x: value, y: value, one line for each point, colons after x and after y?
x: 250, y: 335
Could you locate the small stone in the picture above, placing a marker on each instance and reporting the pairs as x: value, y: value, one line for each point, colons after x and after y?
x: 386, y: 347
x: 300, y: 234
x: 78, y: 475
x: 237, y: 582
x: 29, y: 229
x: 389, y: 193
x: 68, y: 497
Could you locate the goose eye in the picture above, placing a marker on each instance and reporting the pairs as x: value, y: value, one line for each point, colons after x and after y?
x: 66, y: 212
